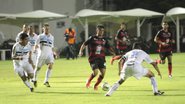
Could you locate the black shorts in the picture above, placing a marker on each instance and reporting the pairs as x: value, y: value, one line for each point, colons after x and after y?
x: 98, y: 64
x: 163, y: 55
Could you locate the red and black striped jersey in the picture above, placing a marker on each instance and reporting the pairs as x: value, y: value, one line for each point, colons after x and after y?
x: 165, y: 37
x: 97, y: 47
x: 122, y: 35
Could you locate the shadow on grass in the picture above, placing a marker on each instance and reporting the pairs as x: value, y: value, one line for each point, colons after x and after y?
x: 74, y: 93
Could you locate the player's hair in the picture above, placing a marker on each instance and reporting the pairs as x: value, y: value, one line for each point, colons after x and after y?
x: 70, y: 29
x: 99, y: 26
x: 45, y: 25
x: 123, y: 23
x: 164, y: 22
x: 136, y: 45
x: 30, y: 26
x: 25, y: 25
x: 23, y: 36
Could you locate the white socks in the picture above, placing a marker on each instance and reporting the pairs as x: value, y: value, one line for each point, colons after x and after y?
x: 27, y: 83
x: 154, y: 84
x: 48, y: 74
x: 36, y: 71
x: 113, y: 88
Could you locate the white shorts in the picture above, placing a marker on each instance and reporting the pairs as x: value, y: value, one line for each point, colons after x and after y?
x: 135, y: 70
x: 41, y: 61
x: 34, y: 58
x: 24, y: 68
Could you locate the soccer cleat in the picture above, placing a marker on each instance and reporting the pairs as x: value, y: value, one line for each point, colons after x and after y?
x: 87, y: 84
x: 31, y: 89
x: 95, y: 88
x: 34, y: 83
x: 170, y: 76
x: 107, y: 95
x: 159, y: 93
x: 47, y: 84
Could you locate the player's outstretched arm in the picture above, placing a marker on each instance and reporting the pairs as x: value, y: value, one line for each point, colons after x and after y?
x: 81, y: 50
x: 156, y: 68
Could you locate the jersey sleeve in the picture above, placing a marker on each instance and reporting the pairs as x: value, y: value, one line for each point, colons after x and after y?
x: 38, y: 40
x: 88, y: 41
x: 13, y: 51
x: 147, y: 58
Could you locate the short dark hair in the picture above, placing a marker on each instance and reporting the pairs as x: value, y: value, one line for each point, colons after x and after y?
x: 99, y: 26
x: 123, y: 23
x: 45, y: 24
x: 23, y: 36
x: 164, y: 22
x: 136, y: 45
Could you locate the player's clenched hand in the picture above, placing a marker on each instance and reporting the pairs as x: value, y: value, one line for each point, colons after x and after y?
x: 112, y: 60
x: 80, y: 54
x: 160, y: 75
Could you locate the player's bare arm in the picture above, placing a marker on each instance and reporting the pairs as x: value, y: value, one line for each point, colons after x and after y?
x: 81, y: 50
x: 156, y: 68
x: 14, y: 57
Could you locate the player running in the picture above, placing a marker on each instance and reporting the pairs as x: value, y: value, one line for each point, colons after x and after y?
x: 45, y: 43
x: 164, y: 40
x: 32, y: 39
x: 122, y: 39
x: 131, y: 65
x: 21, y: 55
x: 97, y: 45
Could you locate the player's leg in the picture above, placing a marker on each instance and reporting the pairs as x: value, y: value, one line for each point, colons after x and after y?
x: 162, y: 58
x: 48, y: 74
x: 114, y: 87
x: 38, y: 66
x: 22, y: 75
x: 29, y: 70
x: 151, y: 76
x: 102, y: 68
x: 169, y: 57
x: 100, y: 78
x: 49, y: 62
x: 123, y: 77
x: 91, y: 77
x: 94, y: 68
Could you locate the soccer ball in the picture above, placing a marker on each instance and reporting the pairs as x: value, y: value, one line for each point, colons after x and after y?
x: 105, y: 86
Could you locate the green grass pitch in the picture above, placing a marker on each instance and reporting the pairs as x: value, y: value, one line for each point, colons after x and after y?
x: 68, y: 85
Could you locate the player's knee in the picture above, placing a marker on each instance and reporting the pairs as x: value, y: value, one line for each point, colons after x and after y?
x: 50, y: 66
x: 30, y: 75
x: 162, y: 61
x: 23, y: 78
x: 150, y: 74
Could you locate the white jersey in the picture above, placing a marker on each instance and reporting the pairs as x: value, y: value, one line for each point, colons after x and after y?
x: 46, y: 44
x: 32, y: 39
x: 22, y: 51
x: 137, y: 56
x: 133, y: 66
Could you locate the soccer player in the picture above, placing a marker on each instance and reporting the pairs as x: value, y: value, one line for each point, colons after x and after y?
x: 97, y: 45
x: 32, y: 39
x: 131, y: 65
x: 21, y: 55
x: 122, y: 39
x: 45, y: 43
x: 24, y: 30
x: 164, y: 40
